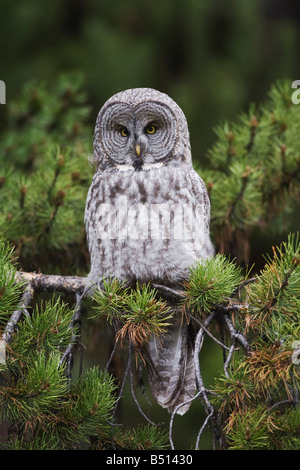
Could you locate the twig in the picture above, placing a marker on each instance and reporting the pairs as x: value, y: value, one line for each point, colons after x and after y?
x: 198, y: 346
x: 235, y: 335
x: 228, y: 359
x: 116, y: 329
x: 174, y: 414
x: 168, y: 293
x: 48, y: 282
x: 122, y: 386
x: 232, y: 307
x: 44, y: 282
x: 141, y: 383
x: 209, y: 333
x: 231, y: 210
x: 243, y: 284
x: 279, y: 403
x: 111, y: 356
x: 69, y: 352
x: 207, y: 405
x: 132, y: 389
x: 17, y: 315
x: 208, y: 417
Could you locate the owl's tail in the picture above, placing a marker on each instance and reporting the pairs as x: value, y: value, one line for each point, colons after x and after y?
x: 171, y: 367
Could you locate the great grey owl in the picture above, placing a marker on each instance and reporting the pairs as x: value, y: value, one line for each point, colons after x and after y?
x: 147, y: 219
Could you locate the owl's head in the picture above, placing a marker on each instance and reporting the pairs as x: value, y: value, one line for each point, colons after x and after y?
x: 140, y: 129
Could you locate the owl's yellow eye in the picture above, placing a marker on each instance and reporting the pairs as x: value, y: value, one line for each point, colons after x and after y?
x: 124, y: 131
x: 150, y: 129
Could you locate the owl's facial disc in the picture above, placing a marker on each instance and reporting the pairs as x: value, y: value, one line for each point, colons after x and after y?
x: 139, y: 135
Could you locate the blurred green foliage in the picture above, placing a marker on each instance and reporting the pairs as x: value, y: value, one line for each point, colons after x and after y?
x: 45, y: 175
x: 212, y: 57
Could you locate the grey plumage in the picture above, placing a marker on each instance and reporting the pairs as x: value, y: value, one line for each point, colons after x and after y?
x: 147, y: 218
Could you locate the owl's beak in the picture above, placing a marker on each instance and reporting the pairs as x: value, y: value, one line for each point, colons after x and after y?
x: 138, y: 150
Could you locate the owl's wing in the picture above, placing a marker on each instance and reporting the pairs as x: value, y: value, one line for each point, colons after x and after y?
x: 202, y: 202
x: 201, y: 196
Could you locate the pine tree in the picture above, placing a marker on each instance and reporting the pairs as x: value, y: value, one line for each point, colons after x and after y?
x: 253, y: 180
x: 258, y: 393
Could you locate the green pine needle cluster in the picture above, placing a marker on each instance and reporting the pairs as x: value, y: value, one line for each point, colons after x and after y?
x: 26, y: 398
x: 10, y: 291
x: 211, y: 282
x: 275, y: 296
x: 46, y: 329
x: 140, y: 314
x: 141, y: 438
x: 110, y: 299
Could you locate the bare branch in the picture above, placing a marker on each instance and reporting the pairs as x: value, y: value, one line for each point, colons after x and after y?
x: 122, y: 385
x: 198, y: 346
x: 228, y: 359
x: 111, y: 356
x: 208, y: 417
x: 279, y: 403
x: 168, y: 293
x: 235, y: 335
x: 210, y: 411
x: 69, y: 352
x: 48, y: 282
x: 243, y: 284
x: 17, y: 315
x: 132, y: 389
x: 174, y: 414
x: 209, y: 333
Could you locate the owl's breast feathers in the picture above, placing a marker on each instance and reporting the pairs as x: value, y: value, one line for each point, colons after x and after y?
x: 147, y: 225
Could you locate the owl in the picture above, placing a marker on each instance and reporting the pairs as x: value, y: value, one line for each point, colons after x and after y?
x: 147, y: 219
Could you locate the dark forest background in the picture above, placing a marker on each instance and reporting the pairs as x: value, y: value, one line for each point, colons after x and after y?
x: 212, y: 57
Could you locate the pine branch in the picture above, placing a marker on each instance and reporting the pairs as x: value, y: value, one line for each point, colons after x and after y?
x: 50, y: 283
x: 168, y: 293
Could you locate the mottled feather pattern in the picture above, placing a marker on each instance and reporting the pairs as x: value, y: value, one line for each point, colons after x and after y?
x: 147, y: 219
x: 164, y: 260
